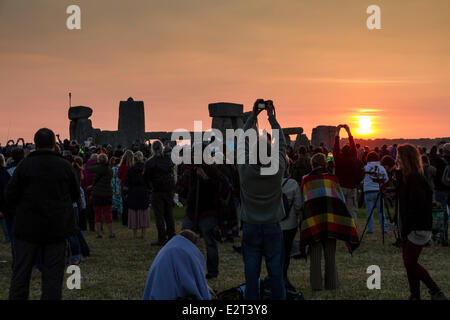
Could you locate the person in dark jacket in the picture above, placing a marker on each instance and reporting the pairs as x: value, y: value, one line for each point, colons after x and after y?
x: 349, y: 170
x: 138, y: 196
x: 42, y: 188
x: 102, y: 194
x: 442, y: 191
x: 159, y: 177
x: 5, y: 217
x: 414, y: 209
x: 200, y: 185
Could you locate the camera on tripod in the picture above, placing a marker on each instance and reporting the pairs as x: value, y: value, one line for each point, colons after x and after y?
x: 376, y: 176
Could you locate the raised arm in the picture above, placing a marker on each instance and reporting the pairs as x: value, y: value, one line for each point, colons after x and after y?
x: 351, y: 142
x: 282, y: 142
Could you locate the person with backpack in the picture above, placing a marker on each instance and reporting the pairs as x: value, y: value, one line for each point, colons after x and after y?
x: 292, y: 202
x: 442, y: 184
x: 348, y: 169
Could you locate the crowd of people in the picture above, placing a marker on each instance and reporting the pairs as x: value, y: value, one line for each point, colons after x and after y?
x: 52, y: 191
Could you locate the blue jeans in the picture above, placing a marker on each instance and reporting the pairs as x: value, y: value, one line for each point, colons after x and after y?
x: 371, y: 198
x: 443, y: 198
x: 206, y: 226
x: 260, y: 240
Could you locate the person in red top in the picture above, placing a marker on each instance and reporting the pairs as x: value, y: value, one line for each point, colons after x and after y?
x: 126, y: 163
x: 348, y: 169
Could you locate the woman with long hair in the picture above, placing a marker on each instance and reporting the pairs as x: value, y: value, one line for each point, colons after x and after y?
x: 414, y: 210
x: 126, y: 162
x: 138, y: 197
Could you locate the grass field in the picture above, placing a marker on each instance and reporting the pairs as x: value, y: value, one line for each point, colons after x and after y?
x: 117, y: 268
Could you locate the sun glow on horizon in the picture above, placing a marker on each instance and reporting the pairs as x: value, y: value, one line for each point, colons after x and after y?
x: 365, y: 125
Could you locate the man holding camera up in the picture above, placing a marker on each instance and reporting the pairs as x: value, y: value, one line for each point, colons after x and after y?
x: 262, y: 210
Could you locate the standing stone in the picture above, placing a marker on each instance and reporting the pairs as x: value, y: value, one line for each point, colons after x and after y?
x: 131, y: 121
x: 302, y: 140
x: 79, y: 112
x: 325, y: 135
x: 226, y: 116
x: 80, y: 125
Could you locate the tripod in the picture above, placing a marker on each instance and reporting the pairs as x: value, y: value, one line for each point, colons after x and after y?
x: 390, y: 218
x: 379, y: 198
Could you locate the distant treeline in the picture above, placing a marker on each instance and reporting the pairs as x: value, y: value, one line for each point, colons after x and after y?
x: 423, y: 142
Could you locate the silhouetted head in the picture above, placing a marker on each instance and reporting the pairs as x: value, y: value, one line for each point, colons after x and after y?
x: 409, y: 160
x: 45, y: 139
x: 17, y: 154
x: 388, y: 162
x: 127, y: 158
x: 433, y: 151
x: 319, y: 161
x: 157, y: 148
x: 346, y: 150
x: 372, y: 156
x: 102, y: 158
x: 302, y: 150
x: 190, y: 235
x: 139, y: 157
x: 446, y: 149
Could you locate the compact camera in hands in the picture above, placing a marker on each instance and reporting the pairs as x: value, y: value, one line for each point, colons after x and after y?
x: 263, y: 105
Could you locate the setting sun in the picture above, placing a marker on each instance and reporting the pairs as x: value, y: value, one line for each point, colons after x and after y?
x: 365, y: 125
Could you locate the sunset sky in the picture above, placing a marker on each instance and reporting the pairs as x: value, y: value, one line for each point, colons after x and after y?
x: 316, y: 59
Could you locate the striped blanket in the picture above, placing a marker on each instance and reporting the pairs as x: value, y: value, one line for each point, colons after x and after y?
x: 325, y: 214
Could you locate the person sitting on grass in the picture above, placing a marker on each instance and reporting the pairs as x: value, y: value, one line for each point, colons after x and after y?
x: 178, y: 271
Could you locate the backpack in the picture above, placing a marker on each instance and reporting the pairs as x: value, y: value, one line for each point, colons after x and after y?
x: 287, y: 206
x: 446, y: 175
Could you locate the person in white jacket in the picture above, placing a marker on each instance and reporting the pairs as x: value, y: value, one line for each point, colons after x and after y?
x: 375, y: 175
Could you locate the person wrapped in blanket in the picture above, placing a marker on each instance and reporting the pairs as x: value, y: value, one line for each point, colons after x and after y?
x: 324, y: 219
x: 178, y: 271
